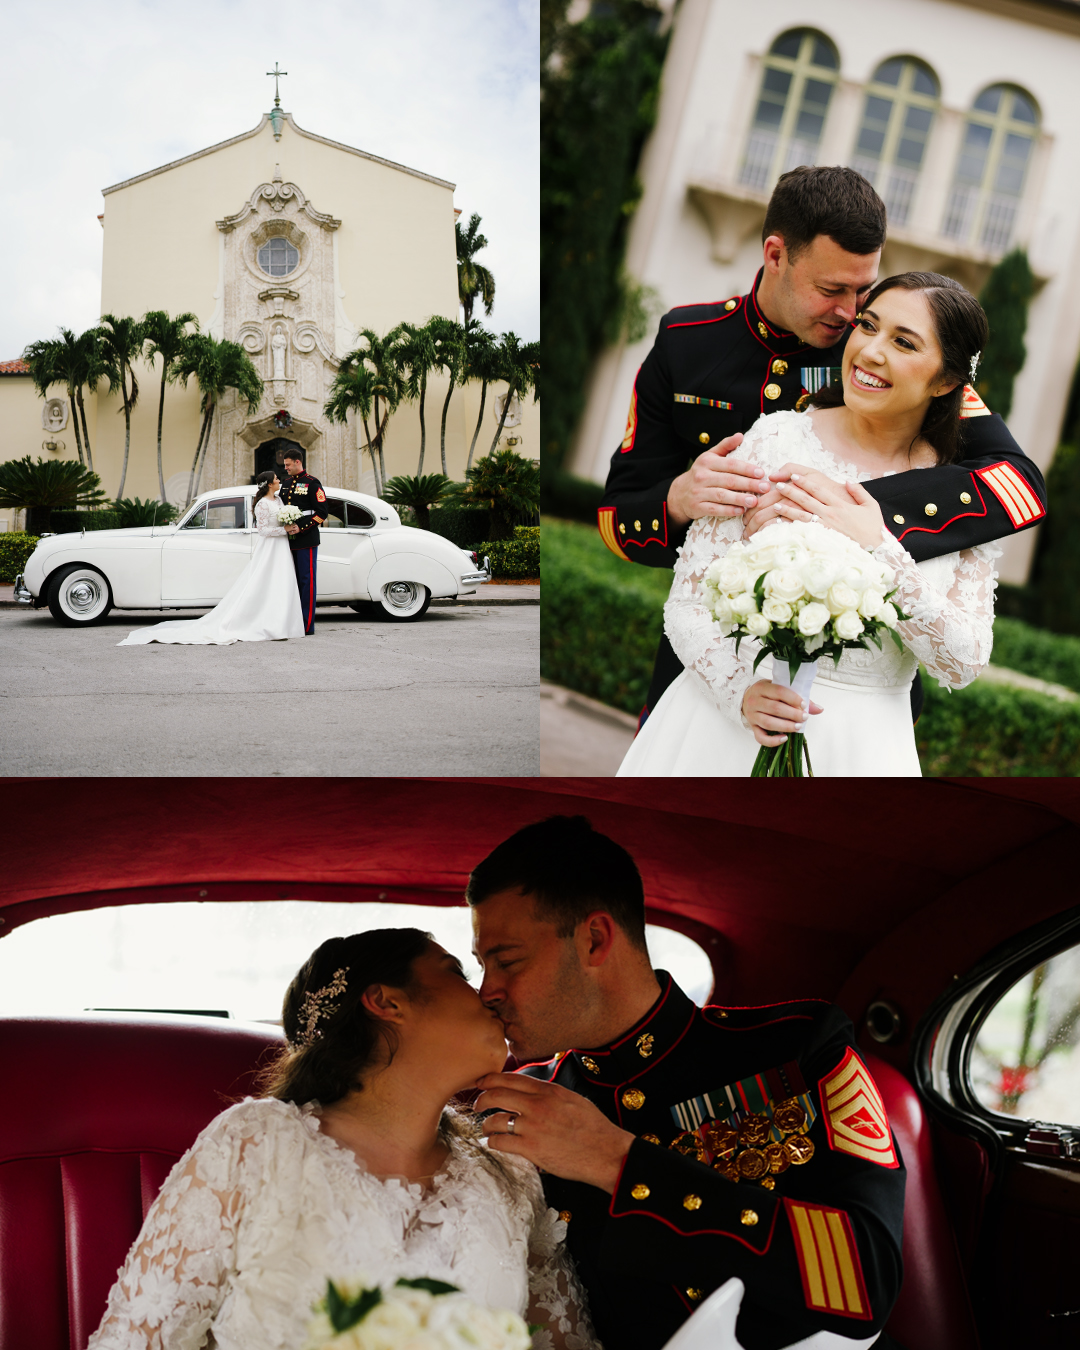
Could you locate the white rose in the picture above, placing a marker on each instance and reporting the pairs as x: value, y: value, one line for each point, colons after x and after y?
x: 841, y: 597
x: 887, y: 615
x: 742, y: 606
x: 848, y: 625
x: 784, y: 583
x: 818, y: 574
x: 721, y: 609
x: 757, y: 625
x: 776, y: 611
x: 812, y: 619
x: 871, y: 602
x: 732, y: 575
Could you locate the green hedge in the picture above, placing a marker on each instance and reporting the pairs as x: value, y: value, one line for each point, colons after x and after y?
x: 462, y: 525
x: 15, y: 548
x: 603, y: 618
x: 514, y: 559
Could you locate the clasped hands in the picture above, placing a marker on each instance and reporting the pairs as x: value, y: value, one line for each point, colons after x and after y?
x: 559, y: 1131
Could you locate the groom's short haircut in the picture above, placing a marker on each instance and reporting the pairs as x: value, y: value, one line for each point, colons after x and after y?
x: 829, y: 200
x: 570, y: 871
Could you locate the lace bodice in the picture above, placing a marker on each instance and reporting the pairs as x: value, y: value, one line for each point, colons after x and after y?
x: 265, y: 1207
x: 950, y: 599
x: 266, y: 517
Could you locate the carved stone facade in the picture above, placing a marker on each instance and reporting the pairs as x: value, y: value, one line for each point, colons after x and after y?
x: 292, y: 326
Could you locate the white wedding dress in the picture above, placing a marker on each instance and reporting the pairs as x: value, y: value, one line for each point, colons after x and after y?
x: 697, y: 729
x: 262, y: 604
x: 264, y: 1208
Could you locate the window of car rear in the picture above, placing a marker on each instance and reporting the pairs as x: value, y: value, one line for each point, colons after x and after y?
x: 358, y: 516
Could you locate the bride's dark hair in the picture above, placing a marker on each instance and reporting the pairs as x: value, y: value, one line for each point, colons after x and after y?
x: 264, y: 480
x: 961, y: 330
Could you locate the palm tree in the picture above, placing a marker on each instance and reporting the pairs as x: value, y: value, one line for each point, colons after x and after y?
x: 519, y: 366
x: 88, y: 364
x: 354, y: 389
x: 216, y: 366
x: 165, y: 337
x: 121, y: 343
x: 508, y: 485
x: 449, y: 356
x: 416, y: 356
x: 46, y: 359
x: 481, y: 363
x: 71, y: 361
x: 473, y: 277
x: 41, y: 487
x: 419, y: 493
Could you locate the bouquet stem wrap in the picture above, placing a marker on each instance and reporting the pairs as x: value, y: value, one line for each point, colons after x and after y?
x: 786, y: 761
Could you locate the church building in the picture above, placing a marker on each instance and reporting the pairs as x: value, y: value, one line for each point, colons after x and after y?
x: 290, y: 244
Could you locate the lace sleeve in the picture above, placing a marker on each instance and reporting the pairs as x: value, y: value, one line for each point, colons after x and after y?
x: 557, y: 1301
x: 951, y: 633
x: 266, y: 520
x: 173, y: 1282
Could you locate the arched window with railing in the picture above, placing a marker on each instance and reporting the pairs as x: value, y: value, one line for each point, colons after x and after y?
x: 797, y: 83
x: 901, y: 103
x: 995, y: 156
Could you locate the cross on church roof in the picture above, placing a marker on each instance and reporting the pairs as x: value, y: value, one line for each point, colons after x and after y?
x: 277, y: 75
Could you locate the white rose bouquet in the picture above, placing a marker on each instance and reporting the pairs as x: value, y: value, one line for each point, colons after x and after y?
x: 804, y: 591
x: 288, y: 515
x: 410, y: 1315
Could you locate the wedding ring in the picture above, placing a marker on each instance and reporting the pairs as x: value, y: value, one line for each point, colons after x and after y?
x: 510, y: 1125
x: 815, y: 518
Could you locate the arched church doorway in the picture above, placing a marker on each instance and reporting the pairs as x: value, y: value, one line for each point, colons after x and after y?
x: 271, y: 455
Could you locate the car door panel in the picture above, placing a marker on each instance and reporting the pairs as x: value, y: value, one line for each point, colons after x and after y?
x: 200, y: 563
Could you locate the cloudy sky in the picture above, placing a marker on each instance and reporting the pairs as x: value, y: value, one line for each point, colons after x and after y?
x: 94, y: 94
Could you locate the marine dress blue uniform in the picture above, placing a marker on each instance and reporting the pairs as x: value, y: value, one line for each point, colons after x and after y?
x: 305, y: 493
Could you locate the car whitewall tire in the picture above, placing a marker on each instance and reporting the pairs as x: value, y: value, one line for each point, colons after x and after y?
x: 79, y: 596
x: 403, y: 601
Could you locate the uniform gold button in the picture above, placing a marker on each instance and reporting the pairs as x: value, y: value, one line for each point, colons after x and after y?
x: 650, y: 1138
x: 591, y: 1064
x: 565, y: 1215
x: 693, y: 1295
x: 965, y: 497
x: 772, y: 391
x: 692, y: 1202
x: 899, y: 519
x: 656, y: 524
x: 731, y: 304
x: 930, y: 509
x: 779, y: 367
x: 722, y: 1016
x: 633, y: 1099
x: 768, y: 1183
x: 748, y: 1217
x: 762, y: 330
x: 704, y: 438
x: 645, y: 1042
x: 622, y: 530
x: 640, y: 1191
x: 637, y: 526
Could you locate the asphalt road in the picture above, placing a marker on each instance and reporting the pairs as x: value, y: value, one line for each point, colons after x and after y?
x: 455, y: 693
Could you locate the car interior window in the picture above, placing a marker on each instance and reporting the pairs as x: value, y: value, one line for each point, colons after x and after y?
x: 226, y: 514
x: 335, y: 514
x: 1026, y: 1058
x: 359, y: 516
x: 197, y: 521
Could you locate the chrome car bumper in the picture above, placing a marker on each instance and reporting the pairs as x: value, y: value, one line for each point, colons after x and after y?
x: 22, y: 595
x: 477, y: 578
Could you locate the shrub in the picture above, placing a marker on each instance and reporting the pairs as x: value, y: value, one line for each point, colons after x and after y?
x: 514, y: 559
x: 994, y: 731
x: 462, y: 525
x: 68, y: 522
x: 1056, y: 578
x: 418, y: 494
x: 15, y: 548
x: 1047, y: 656
x: 133, y: 511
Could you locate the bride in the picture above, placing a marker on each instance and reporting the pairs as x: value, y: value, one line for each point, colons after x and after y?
x: 350, y: 1165
x: 897, y: 407
x: 262, y: 604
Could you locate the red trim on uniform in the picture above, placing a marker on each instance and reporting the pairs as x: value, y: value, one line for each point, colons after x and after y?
x: 701, y: 1232
x: 855, y: 1267
x: 698, y: 304
x: 694, y: 323
x: 644, y: 543
x: 1015, y: 498
x: 308, y: 623
x: 925, y: 529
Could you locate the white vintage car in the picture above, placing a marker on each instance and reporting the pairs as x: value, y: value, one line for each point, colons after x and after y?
x: 367, y: 560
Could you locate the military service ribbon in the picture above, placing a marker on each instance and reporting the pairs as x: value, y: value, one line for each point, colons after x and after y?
x: 703, y: 402
x: 749, y: 1096
x: 817, y: 377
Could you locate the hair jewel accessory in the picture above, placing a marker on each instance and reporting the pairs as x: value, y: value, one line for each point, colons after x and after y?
x: 316, y: 1006
x: 975, y: 364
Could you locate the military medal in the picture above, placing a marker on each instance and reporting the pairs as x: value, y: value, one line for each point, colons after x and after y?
x: 798, y: 1148
x: 752, y: 1164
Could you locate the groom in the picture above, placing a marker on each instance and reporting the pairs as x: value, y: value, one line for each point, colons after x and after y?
x: 715, y: 368
x: 659, y: 1214
x: 305, y: 493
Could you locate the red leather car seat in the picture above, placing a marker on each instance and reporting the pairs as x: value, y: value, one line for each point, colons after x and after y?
x: 933, y: 1311
x: 96, y: 1111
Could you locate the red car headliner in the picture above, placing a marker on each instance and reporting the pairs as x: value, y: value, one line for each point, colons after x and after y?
x: 845, y: 890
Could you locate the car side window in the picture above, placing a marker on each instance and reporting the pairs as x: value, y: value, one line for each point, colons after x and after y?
x: 1026, y: 1058
x: 225, y: 514
x: 197, y: 521
x: 335, y: 514
x: 358, y: 516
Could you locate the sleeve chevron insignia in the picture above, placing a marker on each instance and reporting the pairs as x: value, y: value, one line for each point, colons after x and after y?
x: 855, y: 1116
x: 832, y: 1277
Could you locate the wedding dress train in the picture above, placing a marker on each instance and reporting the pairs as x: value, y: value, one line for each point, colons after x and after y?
x: 697, y: 728
x: 262, y: 604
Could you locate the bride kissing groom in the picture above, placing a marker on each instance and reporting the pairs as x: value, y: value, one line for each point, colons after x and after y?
x: 941, y: 479
x: 661, y: 1148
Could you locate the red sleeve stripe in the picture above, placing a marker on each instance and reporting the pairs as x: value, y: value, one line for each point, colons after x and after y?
x: 605, y: 519
x: 829, y: 1266
x: 1020, y: 503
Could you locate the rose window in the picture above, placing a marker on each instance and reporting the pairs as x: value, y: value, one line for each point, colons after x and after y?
x: 278, y: 257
